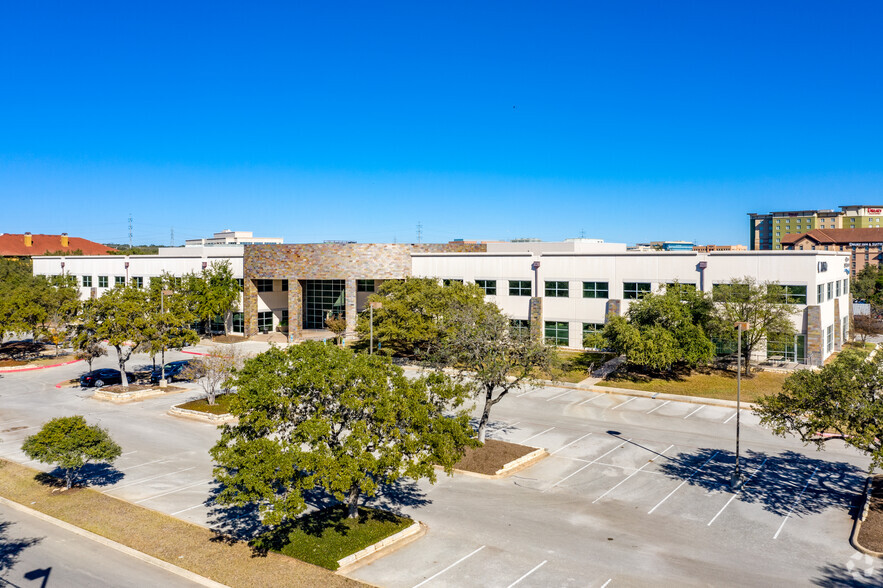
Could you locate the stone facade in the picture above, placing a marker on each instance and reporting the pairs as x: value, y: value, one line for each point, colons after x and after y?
x: 535, y: 315
x: 614, y: 307
x: 815, y: 336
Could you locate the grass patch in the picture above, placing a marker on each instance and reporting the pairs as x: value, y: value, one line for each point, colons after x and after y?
x: 221, y: 405
x: 326, y: 536
x: 491, y: 457
x: 186, y: 545
x: 706, y: 383
x: 574, y: 366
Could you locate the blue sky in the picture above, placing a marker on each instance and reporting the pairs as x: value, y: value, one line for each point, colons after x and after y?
x: 627, y: 121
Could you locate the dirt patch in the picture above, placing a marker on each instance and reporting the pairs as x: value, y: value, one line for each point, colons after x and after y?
x: 21, y: 349
x: 491, y: 457
x: 228, y: 339
x: 119, y: 388
x: 12, y: 362
x: 38, y: 361
x: 871, y: 534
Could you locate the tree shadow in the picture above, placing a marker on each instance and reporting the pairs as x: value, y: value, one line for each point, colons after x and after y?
x: 12, y: 548
x: 401, y: 493
x: 492, y: 427
x: 231, y: 523
x: 783, y: 483
x: 91, y: 474
x: 859, y: 572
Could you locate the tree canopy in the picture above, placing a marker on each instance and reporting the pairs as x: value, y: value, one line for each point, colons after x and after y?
x: 214, y: 292
x: 70, y: 444
x: 841, y: 401
x: 315, y: 415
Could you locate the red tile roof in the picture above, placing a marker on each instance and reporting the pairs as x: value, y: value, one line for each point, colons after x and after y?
x: 837, y: 236
x: 14, y: 245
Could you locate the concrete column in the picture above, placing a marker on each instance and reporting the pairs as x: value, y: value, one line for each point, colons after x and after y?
x: 535, y: 315
x: 815, y: 337
x: 350, y: 306
x: 250, y: 307
x: 838, y: 326
x: 295, y: 309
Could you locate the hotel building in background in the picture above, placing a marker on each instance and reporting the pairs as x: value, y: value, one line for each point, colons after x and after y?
x: 766, y: 231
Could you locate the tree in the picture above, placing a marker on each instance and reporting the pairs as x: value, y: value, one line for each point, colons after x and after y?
x: 41, y: 306
x: 121, y: 316
x: 867, y: 284
x: 89, y: 350
x: 214, y: 293
x: 215, y: 369
x: 70, y: 444
x: 410, y: 321
x: 842, y: 401
x: 764, y: 306
x: 491, y: 356
x: 867, y: 325
x: 171, y: 317
x: 320, y: 415
x: 337, y: 325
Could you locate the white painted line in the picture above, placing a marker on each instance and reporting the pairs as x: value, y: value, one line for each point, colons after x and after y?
x: 136, y: 482
x: 537, y: 435
x: 626, y: 479
x: 729, y: 418
x: 528, y: 391
x: 624, y: 403
x: 172, y: 491
x: 128, y: 453
x: 591, y: 399
x: 660, y: 406
x: 147, y: 463
x: 535, y: 568
x: 604, y: 585
x: 433, y: 577
x: 796, y: 502
x: 733, y: 497
x: 174, y: 514
x: 670, y: 494
x: 569, y: 444
x: 694, y: 412
x: 587, y: 465
x: 558, y: 396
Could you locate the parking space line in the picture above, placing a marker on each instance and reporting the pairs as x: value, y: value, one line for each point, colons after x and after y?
x: 670, y: 494
x: 174, y: 514
x: 136, y: 482
x: 528, y: 391
x: 626, y: 479
x: 147, y: 463
x: 537, y: 435
x: 569, y: 444
x: 128, y: 453
x: 558, y: 396
x: 172, y: 491
x: 658, y: 407
x: 587, y: 465
x: 535, y: 568
x: 796, y: 502
x: 733, y: 497
x: 590, y: 399
x: 729, y: 418
x: 694, y: 412
x: 434, y: 576
x: 624, y: 403
x: 604, y: 585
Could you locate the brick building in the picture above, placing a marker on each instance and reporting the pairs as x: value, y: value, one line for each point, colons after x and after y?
x: 865, y: 246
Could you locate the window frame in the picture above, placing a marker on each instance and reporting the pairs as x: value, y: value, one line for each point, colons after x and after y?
x: 517, y: 288
x: 594, y: 289
x: 102, y: 281
x: 556, y: 289
x: 638, y: 292
x: 86, y: 281
x: 489, y: 286
x: 558, y: 329
x: 263, y: 285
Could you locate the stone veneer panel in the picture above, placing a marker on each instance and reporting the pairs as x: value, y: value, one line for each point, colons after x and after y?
x: 535, y: 315
x: 250, y: 307
x: 350, y: 302
x: 815, y: 338
x: 614, y: 307
x: 295, y: 309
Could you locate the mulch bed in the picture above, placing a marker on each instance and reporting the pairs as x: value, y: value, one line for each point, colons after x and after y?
x: 228, y: 339
x: 871, y: 534
x: 491, y: 457
x: 119, y: 388
x: 41, y: 360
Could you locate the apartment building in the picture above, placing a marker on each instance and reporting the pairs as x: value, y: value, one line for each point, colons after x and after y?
x: 767, y: 230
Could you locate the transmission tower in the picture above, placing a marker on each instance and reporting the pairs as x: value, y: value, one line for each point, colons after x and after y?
x: 172, y: 238
x: 130, y: 230
x: 582, y: 234
x: 419, y: 232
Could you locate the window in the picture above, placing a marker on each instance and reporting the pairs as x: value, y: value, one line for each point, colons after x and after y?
x: 449, y: 281
x: 265, y: 321
x: 845, y: 285
x: 845, y: 331
x: 595, y: 290
x: 829, y: 338
x: 520, y: 326
x: 830, y: 290
x: 264, y: 285
x: 820, y: 293
x: 364, y: 285
x: 102, y: 281
x: 557, y: 333
x: 87, y: 281
x: 239, y: 281
x: 592, y: 328
x: 238, y: 322
x: 786, y: 347
x: 635, y: 290
x: 284, y: 285
x: 729, y: 292
x: 489, y: 287
x: 119, y: 281
x: 838, y: 288
x: 284, y: 319
x: 519, y: 287
x: 788, y: 293
x: 557, y: 289
x: 138, y: 282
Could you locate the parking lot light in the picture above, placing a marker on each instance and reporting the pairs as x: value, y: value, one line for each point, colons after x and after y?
x: 737, y: 479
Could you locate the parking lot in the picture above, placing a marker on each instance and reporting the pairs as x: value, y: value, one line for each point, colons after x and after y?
x: 635, y: 492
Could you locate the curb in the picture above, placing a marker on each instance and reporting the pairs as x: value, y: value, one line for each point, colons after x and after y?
x: 857, y: 525
x: 193, y: 352
x: 516, y: 465
x: 39, y: 367
x: 193, y: 577
x: 381, y: 548
x: 672, y: 397
x: 198, y: 415
x: 135, y: 395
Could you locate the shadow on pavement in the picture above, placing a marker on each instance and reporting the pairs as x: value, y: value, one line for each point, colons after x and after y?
x: 861, y: 571
x: 91, y: 474
x: 12, y: 548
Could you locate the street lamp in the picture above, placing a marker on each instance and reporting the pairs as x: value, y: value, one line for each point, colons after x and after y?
x: 736, y: 480
x: 372, y: 306
x: 162, y: 311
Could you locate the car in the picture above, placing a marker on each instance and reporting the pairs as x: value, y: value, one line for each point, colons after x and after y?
x: 174, y: 370
x: 103, y: 377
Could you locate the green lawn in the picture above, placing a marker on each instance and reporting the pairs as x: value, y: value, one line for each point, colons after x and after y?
x: 707, y: 383
x: 324, y: 537
x: 221, y: 405
x: 575, y: 366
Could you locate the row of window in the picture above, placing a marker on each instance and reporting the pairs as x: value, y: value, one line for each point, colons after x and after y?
x: 556, y: 332
x: 561, y: 289
x: 832, y: 290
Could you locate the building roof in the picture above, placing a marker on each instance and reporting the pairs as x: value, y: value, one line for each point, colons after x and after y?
x: 838, y: 236
x: 13, y: 245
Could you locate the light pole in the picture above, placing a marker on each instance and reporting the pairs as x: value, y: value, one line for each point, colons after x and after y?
x: 737, y: 479
x: 162, y: 312
x: 372, y: 306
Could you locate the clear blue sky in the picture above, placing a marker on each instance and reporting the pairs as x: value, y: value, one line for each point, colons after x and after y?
x: 627, y: 121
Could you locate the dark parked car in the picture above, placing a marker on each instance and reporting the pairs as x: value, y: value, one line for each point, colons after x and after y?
x: 174, y: 370
x: 103, y: 377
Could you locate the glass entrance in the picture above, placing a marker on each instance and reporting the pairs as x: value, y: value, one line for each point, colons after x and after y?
x: 323, y: 298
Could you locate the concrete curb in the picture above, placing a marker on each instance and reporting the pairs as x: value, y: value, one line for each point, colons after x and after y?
x: 193, y: 577
x: 39, y: 367
x: 516, y: 465
x: 198, y: 415
x: 672, y: 397
x: 857, y: 525
x: 135, y: 395
x: 381, y: 548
